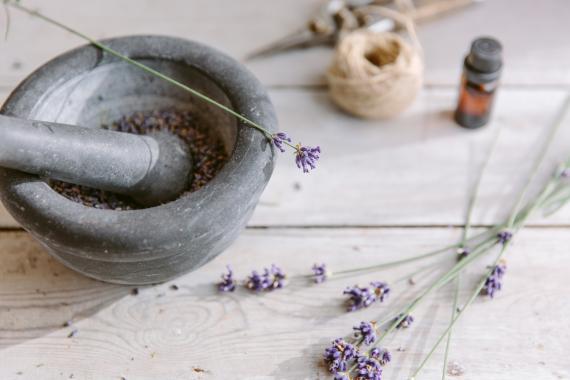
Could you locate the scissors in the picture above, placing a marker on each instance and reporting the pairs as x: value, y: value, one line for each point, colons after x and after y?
x: 338, y: 17
x: 332, y: 20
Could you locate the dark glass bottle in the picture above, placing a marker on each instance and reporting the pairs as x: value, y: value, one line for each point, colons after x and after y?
x: 481, y: 72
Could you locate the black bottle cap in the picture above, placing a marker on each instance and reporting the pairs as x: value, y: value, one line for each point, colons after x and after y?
x: 485, y: 55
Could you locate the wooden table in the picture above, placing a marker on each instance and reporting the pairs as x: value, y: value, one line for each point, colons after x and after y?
x: 383, y: 191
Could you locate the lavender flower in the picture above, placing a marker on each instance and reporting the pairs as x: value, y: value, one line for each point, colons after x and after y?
x: 269, y: 279
x: 277, y: 277
x: 368, y: 369
x: 493, y: 283
x: 278, y: 139
x: 381, y: 290
x: 228, y: 283
x: 338, y: 355
x: 258, y: 282
x: 504, y: 237
x: 405, y: 322
x: 366, y: 331
x: 383, y: 356
x: 320, y: 273
x: 341, y: 376
x: 359, y: 298
x: 307, y: 157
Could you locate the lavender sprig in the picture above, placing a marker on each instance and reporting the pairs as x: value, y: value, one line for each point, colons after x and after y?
x: 305, y: 156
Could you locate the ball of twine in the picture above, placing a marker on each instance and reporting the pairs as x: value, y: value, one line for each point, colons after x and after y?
x: 376, y: 75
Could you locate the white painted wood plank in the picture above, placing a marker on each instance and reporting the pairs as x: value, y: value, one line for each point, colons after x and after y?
x: 536, y: 48
x: 167, y: 334
x: 416, y: 170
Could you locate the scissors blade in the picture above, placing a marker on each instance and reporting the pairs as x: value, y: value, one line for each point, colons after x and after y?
x: 301, y: 39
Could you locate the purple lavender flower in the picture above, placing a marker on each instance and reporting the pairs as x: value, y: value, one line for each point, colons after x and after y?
x: 405, y: 322
x: 368, y: 369
x: 269, y: 279
x: 504, y: 237
x: 359, y: 298
x: 381, y: 290
x: 493, y: 283
x: 383, y: 356
x: 228, y: 283
x: 277, y: 277
x: 278, y: 139
x: 307, y: 157
x: 258, y: 282
x: 320, y: 273
x: 366, y: 331
x: 338, y: 355
x: 341, y: 376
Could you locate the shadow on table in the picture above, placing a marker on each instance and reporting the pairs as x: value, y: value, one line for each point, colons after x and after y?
x: 38, y: 295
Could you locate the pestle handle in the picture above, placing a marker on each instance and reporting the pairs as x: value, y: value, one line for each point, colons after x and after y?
x: 153, y: 169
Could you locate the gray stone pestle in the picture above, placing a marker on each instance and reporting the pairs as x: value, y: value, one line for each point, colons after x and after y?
x: 152, y: 169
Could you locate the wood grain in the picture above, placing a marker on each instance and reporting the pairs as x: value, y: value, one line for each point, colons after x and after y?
x: 416, y: 170
x: 175, y: 334
x: 536, y: 48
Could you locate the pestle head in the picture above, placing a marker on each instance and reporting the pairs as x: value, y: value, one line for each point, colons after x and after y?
x: 170, y: 171
x: 152, y: 169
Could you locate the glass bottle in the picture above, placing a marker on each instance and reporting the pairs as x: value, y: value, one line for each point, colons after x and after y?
x: 479, y: 82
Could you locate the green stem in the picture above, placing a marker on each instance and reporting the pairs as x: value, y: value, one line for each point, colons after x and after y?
x: 514, y: 219
x: 145, y: 68
x: 468, y: 218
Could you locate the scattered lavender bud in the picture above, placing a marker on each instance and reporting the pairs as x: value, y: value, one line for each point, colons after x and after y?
x: 405, y: 322
x: 383, y: 356
x: 341, y: 376
x: 463, y: 252
x: 174, y: 287
x: 258, y: 282
x: 72, y: 333
x: 359, y: 298
x: 273, y: 278
x: 228, y: 283
x: 493, y: 283
x: 277, y: 277
x: 366, y: 331
x: 338, y: 355
x: 565, y: 173
x: 381, y: 290
x: 320, y: 273
x: 504, y: 237
x: 278, y: 139
x: 135, y: 291
x: 368, y: 369
x: 307, y: 157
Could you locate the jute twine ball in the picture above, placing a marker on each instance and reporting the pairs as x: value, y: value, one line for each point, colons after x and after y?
x: 375, y: 75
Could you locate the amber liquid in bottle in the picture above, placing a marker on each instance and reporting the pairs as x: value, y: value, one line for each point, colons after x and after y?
x: 475, y: 103
x: 479, y: 82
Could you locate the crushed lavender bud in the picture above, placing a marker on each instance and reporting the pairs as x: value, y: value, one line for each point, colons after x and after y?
x: 207, y: 150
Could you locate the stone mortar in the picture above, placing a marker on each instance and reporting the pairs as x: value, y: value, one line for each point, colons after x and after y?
x: 88, y: 88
